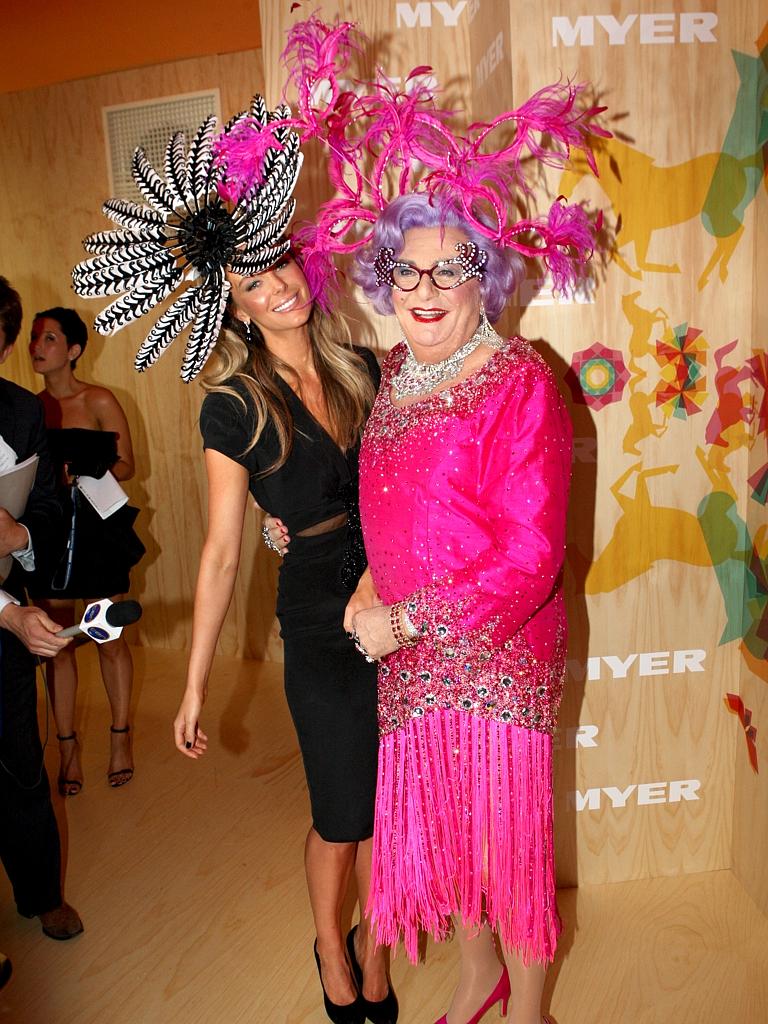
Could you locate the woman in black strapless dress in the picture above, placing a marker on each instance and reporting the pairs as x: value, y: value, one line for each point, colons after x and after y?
x: 88, y: 435
x: 287, y: 399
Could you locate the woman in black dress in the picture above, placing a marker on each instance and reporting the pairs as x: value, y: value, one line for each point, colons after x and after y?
x: 287, y: 399
x: 88, y: 435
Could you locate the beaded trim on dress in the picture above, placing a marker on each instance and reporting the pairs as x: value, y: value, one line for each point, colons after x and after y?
x: 450, y: 836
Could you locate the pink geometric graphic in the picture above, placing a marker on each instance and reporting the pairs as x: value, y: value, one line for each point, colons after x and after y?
x: 682, y: 358
x: 735, y: 705
x: 759, y: 484
x: 601, y: 374
x: 758, y: 365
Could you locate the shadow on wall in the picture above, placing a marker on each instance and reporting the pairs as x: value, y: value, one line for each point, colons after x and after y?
x: 579, y: 555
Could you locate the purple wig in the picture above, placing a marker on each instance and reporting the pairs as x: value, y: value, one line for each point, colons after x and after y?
x: 503, y: 271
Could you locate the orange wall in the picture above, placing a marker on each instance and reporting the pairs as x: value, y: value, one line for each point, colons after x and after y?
x: 47, y: 41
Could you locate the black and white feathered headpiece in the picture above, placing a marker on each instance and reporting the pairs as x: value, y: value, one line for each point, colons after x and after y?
x: 189, y: 232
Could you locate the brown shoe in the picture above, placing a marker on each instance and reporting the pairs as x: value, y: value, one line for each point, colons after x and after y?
x: 62, y: 923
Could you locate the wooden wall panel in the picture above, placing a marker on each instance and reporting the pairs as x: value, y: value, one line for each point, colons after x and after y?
x: 53, y: 180
x: 653, y: 482
x: 750, y: 811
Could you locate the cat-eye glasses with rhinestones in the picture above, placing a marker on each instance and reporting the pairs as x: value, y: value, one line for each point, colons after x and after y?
x: 444, y: 275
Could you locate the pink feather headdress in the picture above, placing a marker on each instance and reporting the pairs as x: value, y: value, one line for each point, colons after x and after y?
x: 382, y: 142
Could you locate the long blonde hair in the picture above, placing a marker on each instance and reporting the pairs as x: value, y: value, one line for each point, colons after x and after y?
x: 241, y: 354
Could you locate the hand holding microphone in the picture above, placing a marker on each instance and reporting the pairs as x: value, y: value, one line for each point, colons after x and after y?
x: 34, y: 628
x: 104, y: 620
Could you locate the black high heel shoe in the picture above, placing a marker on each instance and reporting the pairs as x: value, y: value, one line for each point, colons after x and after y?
x: 383, y: 1011
x: 351, y: 1013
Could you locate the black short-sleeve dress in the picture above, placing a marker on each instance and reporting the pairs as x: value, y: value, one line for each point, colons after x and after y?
x: 330, y: 688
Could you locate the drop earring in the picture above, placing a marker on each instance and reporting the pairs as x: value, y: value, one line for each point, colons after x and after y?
x: 484, y: 329
x: 485, y: 332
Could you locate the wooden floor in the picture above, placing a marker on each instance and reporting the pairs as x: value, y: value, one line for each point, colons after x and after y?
x: 190, y: 884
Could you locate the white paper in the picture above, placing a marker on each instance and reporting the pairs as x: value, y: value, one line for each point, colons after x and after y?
x: 15, y: 484
x: 7, y: 456
x: 105, y: 493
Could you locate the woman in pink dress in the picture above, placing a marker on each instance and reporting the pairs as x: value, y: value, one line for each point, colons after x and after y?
x: 464, y: 476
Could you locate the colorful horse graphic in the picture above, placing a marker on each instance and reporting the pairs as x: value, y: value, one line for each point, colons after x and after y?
x: 741, y: 167
x: 732, y: 409
x: 742, y: 575
x: 718, y: 187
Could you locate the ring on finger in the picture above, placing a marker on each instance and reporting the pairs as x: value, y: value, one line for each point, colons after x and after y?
x: 361, y: 647
x: 268, y: 540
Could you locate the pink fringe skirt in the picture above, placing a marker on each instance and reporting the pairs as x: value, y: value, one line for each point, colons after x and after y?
x: 464, y: 827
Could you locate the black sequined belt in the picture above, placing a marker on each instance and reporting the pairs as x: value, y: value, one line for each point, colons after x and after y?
x: 354, y: 560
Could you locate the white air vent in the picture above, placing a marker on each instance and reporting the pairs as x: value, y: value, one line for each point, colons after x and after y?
x: 150, y: 124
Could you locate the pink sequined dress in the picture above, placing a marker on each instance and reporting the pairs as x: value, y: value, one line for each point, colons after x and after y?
x: 463, y: 500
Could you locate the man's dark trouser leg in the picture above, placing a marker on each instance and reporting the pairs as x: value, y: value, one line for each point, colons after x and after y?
x: 29, y: 835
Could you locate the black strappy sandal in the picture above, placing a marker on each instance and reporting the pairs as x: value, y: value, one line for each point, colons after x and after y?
x: 121, y: 776
x: 68, y: 787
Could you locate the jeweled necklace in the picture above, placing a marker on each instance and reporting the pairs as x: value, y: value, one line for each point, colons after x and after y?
x: 414, y: 378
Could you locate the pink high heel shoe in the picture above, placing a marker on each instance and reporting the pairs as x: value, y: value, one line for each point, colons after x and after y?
x: 499, y: 995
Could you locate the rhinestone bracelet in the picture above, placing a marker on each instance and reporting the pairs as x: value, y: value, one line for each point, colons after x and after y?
x: 399, y: 631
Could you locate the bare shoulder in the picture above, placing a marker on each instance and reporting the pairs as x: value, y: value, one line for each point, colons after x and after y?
x: 100, y: 399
